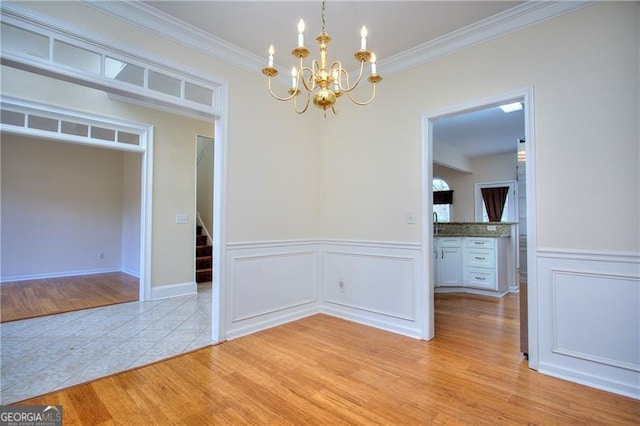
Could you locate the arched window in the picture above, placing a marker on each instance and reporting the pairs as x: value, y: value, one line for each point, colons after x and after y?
x: 442, y: 210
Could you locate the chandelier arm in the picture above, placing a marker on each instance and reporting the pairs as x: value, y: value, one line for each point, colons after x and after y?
x: 346, y: 73
x: 308, y: 85
x: 355, y: 101
x: 306, y: 106
x: 287, y: 98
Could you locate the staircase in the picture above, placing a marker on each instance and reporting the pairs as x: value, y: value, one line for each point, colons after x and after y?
x: 204, y: 257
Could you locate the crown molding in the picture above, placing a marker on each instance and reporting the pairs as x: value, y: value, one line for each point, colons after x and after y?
x: 166, y: 26
x: 517, y: 18
x: 514, y: 19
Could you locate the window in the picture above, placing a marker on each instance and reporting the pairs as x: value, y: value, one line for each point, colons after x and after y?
x: 442, y: 210
x: 510, y: 211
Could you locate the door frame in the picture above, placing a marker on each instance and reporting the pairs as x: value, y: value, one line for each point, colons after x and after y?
x: 526, y: 96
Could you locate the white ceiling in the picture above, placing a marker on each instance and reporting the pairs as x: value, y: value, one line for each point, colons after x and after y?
x: 479, y: 133
x: 394, y: 27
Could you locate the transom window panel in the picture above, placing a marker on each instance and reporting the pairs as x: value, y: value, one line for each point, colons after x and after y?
x: 52, y: 50
x: 76, y: 57
x: 124, y: 71
x: 164, y: 84
x: 22, y: 42
x: 26, y: 118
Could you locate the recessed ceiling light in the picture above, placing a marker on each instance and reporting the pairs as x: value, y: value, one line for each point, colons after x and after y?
x: 516, y: 106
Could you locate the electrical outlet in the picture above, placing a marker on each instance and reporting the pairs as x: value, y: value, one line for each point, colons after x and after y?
x: 341, y: 286
x: 182, y: 219
x: 101, y: 255
x: 491, y: 227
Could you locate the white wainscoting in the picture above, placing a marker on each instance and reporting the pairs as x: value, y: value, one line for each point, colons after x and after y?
x: 270, y: 284
x: 589, y: 319
x: 380, y: 284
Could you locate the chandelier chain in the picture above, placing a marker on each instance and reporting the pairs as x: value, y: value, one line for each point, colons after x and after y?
x: 323, y: 19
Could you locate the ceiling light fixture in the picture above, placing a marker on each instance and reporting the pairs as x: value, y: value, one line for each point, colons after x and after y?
x: 515, y: 106
x: 322, y: 82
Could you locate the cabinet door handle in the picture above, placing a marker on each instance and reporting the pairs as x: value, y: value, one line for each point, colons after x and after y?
x: 480, y: 278
x: 441, y: 254
x: 479, y: 243
x: 479, y: 258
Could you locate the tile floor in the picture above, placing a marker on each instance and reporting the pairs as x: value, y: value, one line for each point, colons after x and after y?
x: 43, y: 354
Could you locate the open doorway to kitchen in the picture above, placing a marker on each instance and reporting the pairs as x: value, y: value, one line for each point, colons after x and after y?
x: 457, y: 151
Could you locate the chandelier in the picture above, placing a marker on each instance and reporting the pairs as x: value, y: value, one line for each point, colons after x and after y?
x: 322, y: 82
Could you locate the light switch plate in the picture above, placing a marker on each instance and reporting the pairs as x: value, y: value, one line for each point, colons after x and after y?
x: 182, y: 219
x: 411, y: 218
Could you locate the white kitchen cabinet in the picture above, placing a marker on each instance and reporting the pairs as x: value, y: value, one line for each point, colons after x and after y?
x: 449, y: 261
x: 486, y: 263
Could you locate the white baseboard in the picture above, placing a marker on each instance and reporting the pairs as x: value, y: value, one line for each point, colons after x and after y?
x: 174, y: 290
x: 58, y: 274
x: 273, y: 321
x: 470, y: 290
x: 372, y: 321
x: 591, y: 380
x: 132, y: 272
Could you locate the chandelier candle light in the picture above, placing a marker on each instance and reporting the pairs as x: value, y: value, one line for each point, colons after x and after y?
x: 322, y: 83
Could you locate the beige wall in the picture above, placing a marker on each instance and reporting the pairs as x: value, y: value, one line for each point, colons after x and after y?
x: 492, y: 168
x: 62, y: 205
x: 272, y: 153
x: 584, y: 70
x: 174, y: 159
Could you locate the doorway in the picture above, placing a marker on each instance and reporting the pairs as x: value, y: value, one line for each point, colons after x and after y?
x: 431, y: 150
x: 98, y: 177
x: 205, y: 152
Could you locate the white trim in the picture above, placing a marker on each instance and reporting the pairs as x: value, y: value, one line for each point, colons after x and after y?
x: 174, y: 290
x: 508, y: 21
x: 591, y: 255
x: 159, y: 23
x: 75, y: 273
x: 220, y: 161
x: 590, y: 380
x: 426, y: 176
x: 513, y: 19
x: 16, y: 15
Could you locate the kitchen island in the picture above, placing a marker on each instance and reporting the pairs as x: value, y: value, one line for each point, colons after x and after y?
x: 475, y: 258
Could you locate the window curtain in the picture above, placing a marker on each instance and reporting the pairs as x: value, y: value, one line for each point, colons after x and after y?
x: 443, y: 197
x: 494, y: 200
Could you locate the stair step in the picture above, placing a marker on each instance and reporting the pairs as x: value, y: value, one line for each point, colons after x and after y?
x: 203, y: 251
x: 198, y: 230
x: 201, y: 240
x: 203, y: 275
x: 204, y: 262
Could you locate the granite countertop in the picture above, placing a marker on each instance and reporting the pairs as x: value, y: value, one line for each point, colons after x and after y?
x: 474, y: 229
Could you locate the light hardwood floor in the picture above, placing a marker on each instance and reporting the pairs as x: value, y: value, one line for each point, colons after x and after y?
x: 34, y: 298
x: 324, y: 370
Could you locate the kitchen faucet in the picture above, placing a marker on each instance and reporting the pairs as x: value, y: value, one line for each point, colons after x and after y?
x: 435, y: 223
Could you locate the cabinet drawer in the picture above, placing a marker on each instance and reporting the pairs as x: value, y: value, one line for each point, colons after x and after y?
x: 480, y: 258
x: 479, y: 242
x: 480, y: 278
x: 449, y: 242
